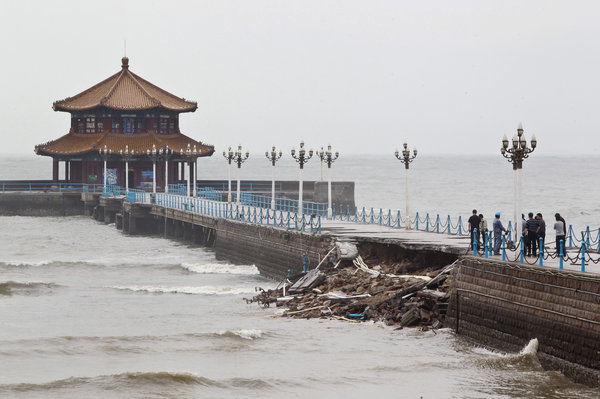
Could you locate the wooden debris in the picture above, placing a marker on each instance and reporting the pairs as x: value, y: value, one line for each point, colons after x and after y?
x: 358, y: 293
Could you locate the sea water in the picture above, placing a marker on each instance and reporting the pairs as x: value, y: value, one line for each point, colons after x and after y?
x: 86, y: 311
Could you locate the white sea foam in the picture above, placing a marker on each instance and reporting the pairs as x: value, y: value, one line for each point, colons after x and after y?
x: 219, y: 268
x: 243, y: 333
x: 25, y: 263
x: 531, y: 348
x: 202, y: 290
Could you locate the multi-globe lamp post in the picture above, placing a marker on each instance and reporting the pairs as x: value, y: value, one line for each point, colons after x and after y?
x: 228, y: 155
x: 154, y: 154
x: 406, y: 158
x: 302, y: 158
x: 328, y: 157
x: 105, y: 153
x: 516, y: 152
x: 127, y: 156
x: 273, y: 157
x: 166, y: 154
x: 239, y: 158
x: 192, y: 155
x: 321, y: 155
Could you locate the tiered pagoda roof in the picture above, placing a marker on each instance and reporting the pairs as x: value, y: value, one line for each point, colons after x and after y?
x: 82, y: 143
x: 124, y: 91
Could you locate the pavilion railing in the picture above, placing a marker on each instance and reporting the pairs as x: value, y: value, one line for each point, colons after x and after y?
x: 51, y: 187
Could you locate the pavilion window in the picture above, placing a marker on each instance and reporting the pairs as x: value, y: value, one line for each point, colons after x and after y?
x: 128, y: 125
x: 141, y: 128
x: 164, y: 126
x: 100, y: 126
x: 90, y: 124
x: 80, y: 125
x: 115, y: 126
x: 171, y: 126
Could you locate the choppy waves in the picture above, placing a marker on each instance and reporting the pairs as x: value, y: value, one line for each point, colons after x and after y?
x: 219, y: 268
x: 9, y: 288
x: 201, y: 290
x: 161, y: 381
x: 526, y: 359
x: 244, y: 334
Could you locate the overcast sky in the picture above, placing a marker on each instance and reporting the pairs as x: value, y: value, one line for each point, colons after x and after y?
x: 449, y: 76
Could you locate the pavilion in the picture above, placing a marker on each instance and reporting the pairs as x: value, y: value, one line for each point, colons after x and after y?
x: 125, y: 131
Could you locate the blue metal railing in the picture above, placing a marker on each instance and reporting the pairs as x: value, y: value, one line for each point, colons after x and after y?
x: 244, y: 213
x: 282, y: 204
x: 52, y: 187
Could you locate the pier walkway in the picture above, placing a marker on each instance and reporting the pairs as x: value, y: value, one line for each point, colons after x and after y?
x: 372, y: 226
x: 454, y: 243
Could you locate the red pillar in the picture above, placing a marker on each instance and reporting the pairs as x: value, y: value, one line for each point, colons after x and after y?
x: 67, y: 171
x: 55, y: 170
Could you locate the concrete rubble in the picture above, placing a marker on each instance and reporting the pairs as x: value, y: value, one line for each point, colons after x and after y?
x: 354, y: 291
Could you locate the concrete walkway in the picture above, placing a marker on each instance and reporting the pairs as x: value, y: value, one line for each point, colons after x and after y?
x: 443, y: 242
x: 418, y: 239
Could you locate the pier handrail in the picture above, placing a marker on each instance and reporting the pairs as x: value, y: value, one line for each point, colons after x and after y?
x: 242, y: 213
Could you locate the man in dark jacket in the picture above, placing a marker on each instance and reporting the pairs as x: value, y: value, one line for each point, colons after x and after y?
x: 474, y: 221
x: 532, y: 226
x: 541, y: 230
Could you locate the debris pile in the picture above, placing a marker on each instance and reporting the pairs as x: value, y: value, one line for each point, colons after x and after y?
x: 356, y: 292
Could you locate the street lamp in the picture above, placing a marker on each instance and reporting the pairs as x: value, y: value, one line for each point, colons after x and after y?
x: 329, y: 158
x: 321, y: 155
x: 166, y: 153
x: 301, y: 159
x: 191, y: 155
x: 239, y: 159
x: 229, y: 157
x: 515, y: 155
x: 273, y: 157
x: 153, y: 154
x: 104, y: 154
x: 406, y: 159
x: 127, y: 156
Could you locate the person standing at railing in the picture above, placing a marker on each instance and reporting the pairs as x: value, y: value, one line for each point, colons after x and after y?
x: 498, y: 230
x: 484, y: 227
x: 532, y: 226
x: 560, y: 227
x: 541, y: 230
x: 560, y: 218
x: 474, y: 228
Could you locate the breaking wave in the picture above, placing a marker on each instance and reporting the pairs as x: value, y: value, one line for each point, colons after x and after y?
x: 526, y: 359
x: 26, y: 264
x: 202, y: 290
x: 244, y: 334
x: 146, y: 380
x: 219, y: 268
x: 13, y: 287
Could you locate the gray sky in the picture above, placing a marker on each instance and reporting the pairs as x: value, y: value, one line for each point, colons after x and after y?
x: 450, y: 76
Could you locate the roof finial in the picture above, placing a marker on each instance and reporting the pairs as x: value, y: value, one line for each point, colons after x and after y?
x: 125, y: 60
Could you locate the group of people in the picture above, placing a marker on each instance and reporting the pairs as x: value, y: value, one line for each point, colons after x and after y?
x: 534, y: 233
x: 533, y: 228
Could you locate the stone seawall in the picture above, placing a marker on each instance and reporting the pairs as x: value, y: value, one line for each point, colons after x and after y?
x: 273, y: 251
x: 41, y: 204
x: 505, y: 305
